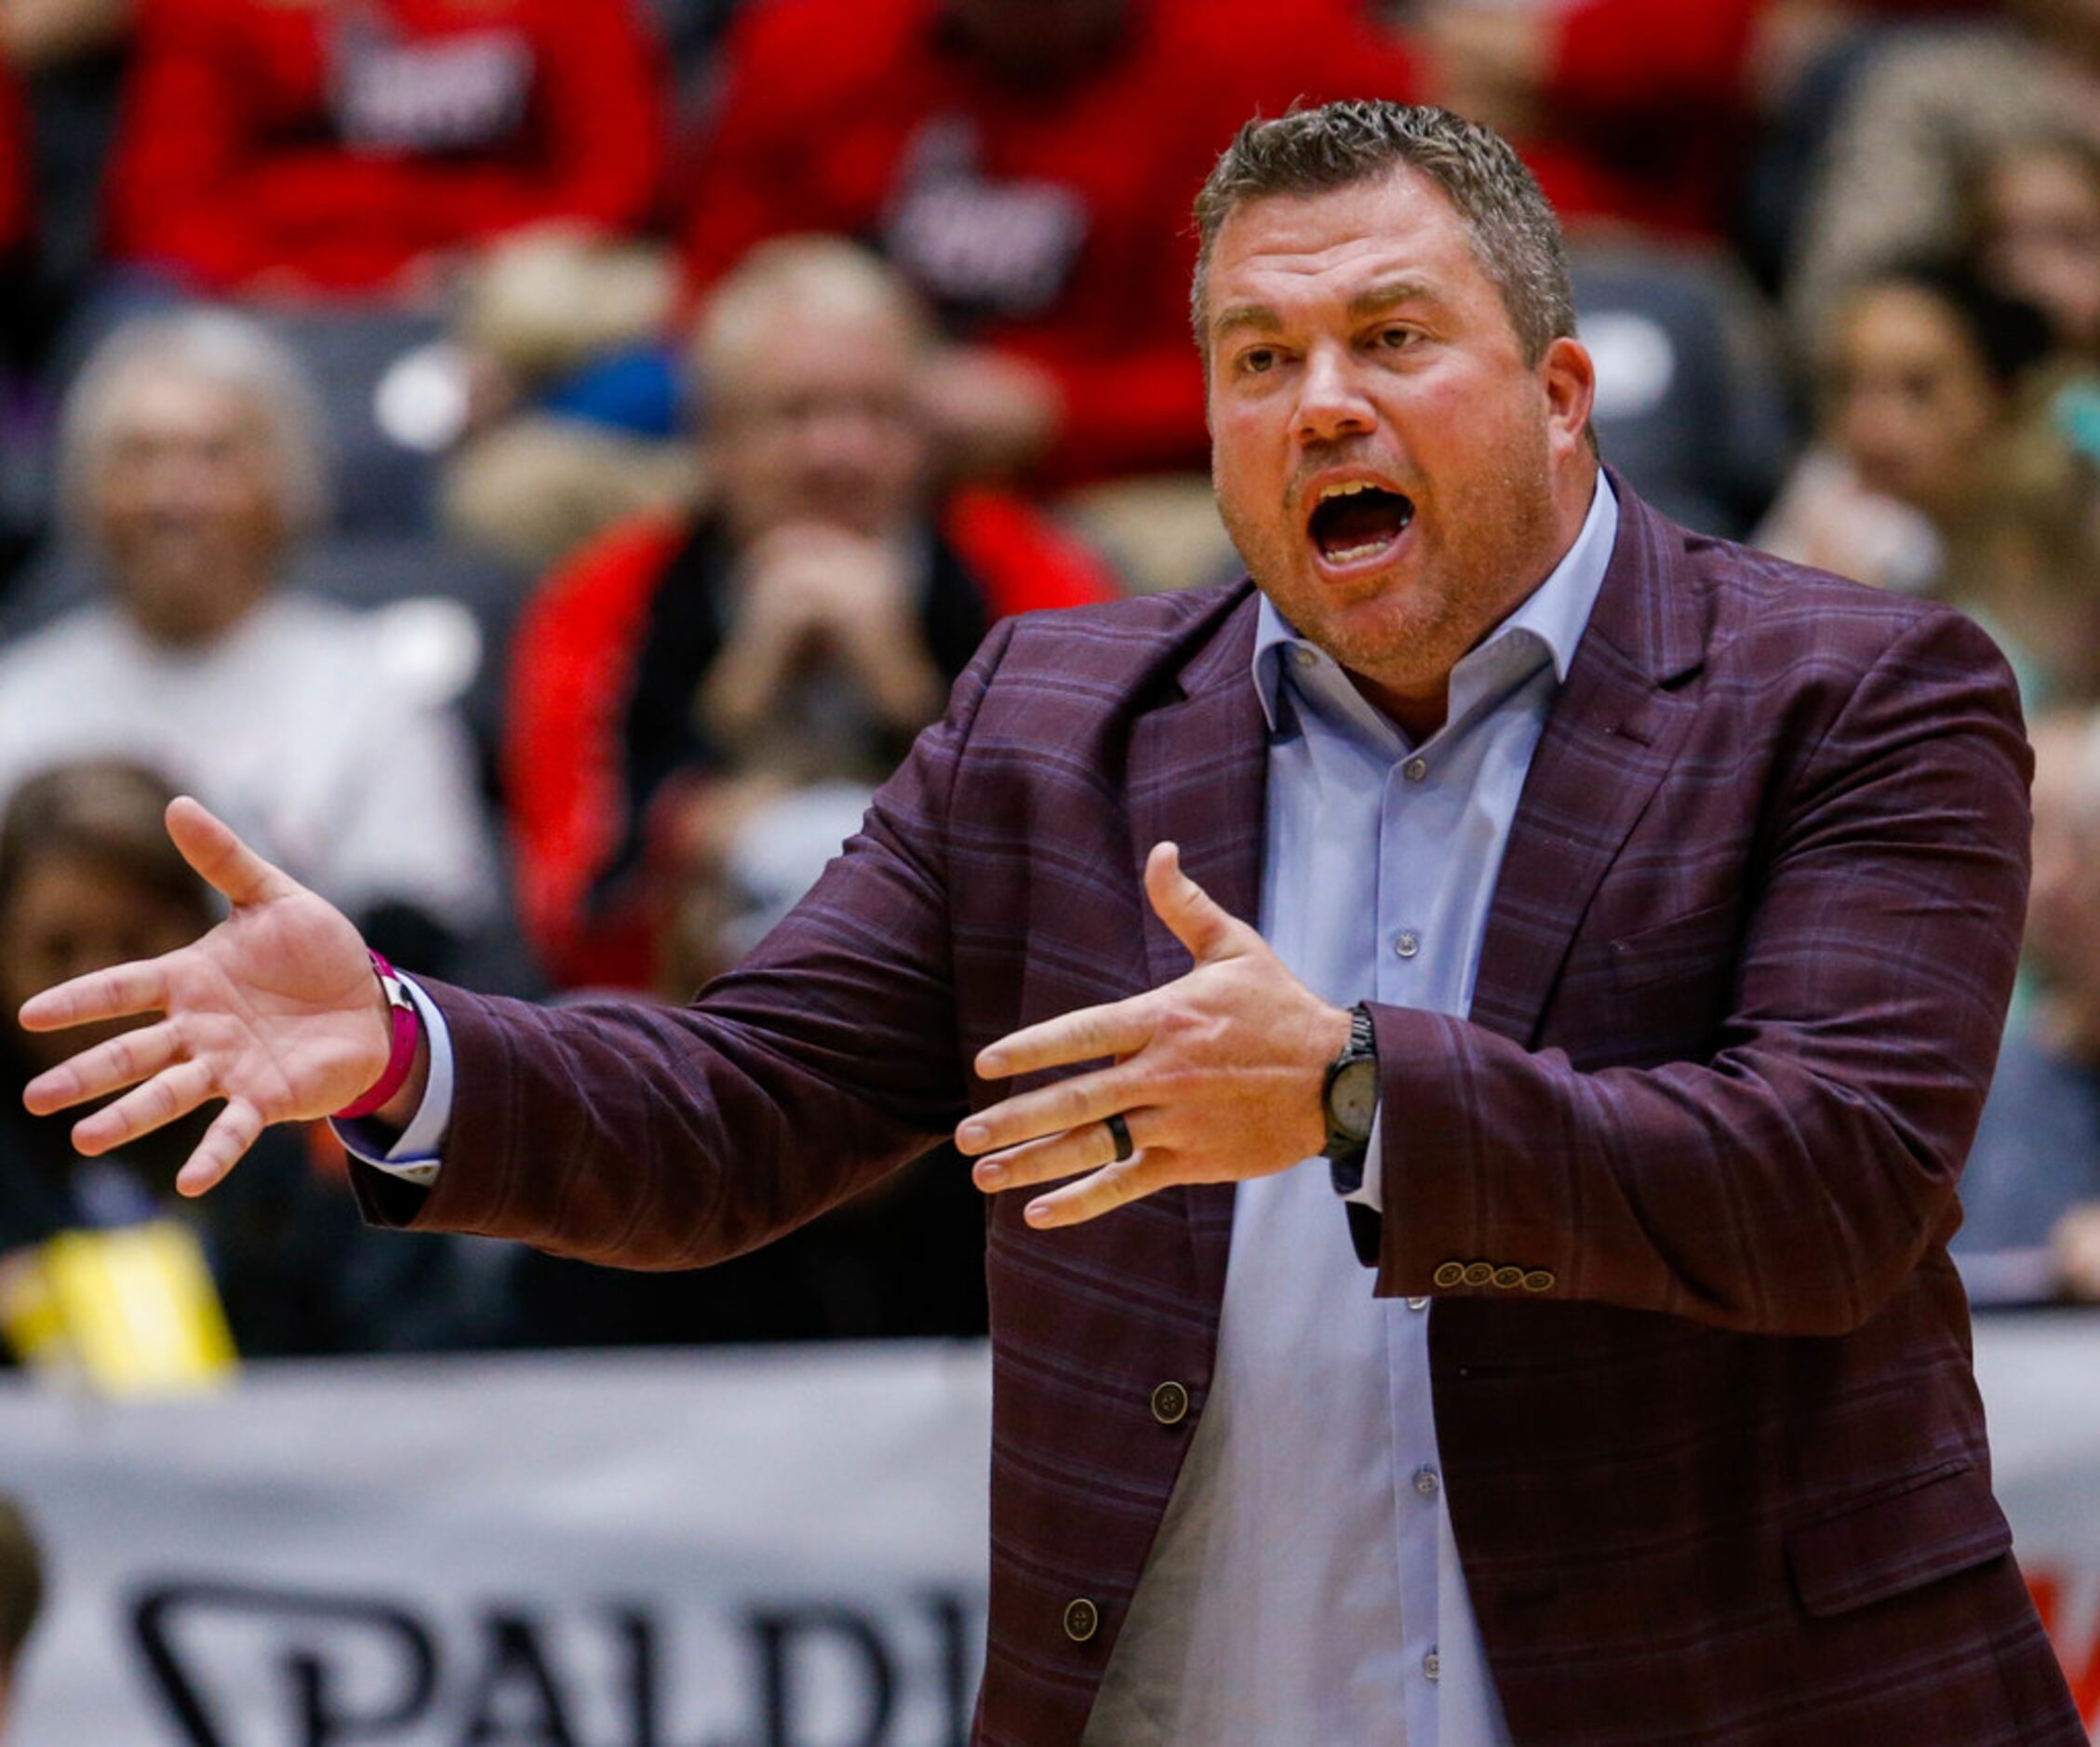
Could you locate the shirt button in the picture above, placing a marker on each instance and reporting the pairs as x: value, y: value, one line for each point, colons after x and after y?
x: 1426, y: 1482
x: 1431, y: 1667
x: 1303, y: 656
x: 1418, y: 1303
x: 1169, y: 1404
x: 1082, y: 1619
x: 1416, y: 769
x: 1407, y: 943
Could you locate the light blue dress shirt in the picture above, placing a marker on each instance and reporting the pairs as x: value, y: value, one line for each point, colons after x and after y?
x: 1305, y: 1585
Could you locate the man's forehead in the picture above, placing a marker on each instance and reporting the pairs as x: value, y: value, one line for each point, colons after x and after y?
x: 1396, y: 202
x: 1393, y: 236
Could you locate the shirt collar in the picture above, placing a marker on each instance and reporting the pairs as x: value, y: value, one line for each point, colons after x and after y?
x: 1554, y: 613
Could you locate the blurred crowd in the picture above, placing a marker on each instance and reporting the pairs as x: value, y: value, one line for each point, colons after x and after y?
x: 533, y: 464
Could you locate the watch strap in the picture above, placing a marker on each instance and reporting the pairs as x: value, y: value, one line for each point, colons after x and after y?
x: 401, y: 1057
x: 1346, y: 1150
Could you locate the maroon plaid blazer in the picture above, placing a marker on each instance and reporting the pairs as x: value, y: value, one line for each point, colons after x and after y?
x: 1682, y: 1186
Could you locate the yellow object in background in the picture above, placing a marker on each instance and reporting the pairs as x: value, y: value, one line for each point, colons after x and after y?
x: 128, y: 1312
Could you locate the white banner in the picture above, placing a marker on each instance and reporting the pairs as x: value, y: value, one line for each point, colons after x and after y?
x: 727, y: 1549
x: 716, y: 1549
x: 2040, y: 1379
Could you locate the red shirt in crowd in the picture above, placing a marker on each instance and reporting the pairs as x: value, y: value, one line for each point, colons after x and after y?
x: 14, y: 167
x: 1649, y: 106
x: 1050, y: 222
x: 332, y: 143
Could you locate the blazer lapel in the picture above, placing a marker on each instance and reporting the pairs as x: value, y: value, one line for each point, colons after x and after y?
x: 1198, y: 778
x: 1610, y: 739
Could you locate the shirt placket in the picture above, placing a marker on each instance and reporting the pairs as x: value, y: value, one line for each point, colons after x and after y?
x: 1405, y: 974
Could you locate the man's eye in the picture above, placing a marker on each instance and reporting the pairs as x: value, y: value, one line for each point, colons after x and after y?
x: 1257, y: 361
x: 1393, y: 338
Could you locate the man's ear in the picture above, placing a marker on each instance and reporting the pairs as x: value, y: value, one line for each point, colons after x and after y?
x: 1569, y: 378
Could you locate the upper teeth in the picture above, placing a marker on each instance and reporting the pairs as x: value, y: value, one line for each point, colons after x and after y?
x: 1347, y: 488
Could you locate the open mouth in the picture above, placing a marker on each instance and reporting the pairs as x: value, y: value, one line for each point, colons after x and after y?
x: 1356, y: 521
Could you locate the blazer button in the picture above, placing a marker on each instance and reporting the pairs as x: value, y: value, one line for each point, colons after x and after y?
x: 1477, y: 1274
x: 1082, y: 1619
x: 1169, y: 1404
x: 1508, y: 1278
x: 1449, y: 1274
x: 1539, y: 1280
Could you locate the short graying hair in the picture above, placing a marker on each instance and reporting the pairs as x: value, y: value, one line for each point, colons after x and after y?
x: 219, y: 346
x: 1515, y: 233
x: 824, y: 277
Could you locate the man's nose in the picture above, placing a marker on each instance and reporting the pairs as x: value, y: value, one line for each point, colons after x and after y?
x: 1331, y: 401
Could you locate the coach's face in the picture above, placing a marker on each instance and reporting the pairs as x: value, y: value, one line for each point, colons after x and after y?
x: 1395, y: 473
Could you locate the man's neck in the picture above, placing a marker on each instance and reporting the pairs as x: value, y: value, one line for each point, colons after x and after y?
x: 1418, y: 713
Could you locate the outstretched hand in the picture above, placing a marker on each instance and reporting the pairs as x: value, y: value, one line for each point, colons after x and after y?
x: 1217, y: 1075
x: 276, y: 1010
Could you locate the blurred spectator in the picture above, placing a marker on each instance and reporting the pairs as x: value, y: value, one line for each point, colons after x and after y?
x: 1631, y: 109
x: 69, y: 55
x: 21, y: 1596
x: 1943, y: 472
x: 190, y: 468
x: 61, y: 64
x: 801, y: 627
x: 1641, y: 111
x: 1926, y: 109
x: 2031, y: 1190
x: 1029, y: 165
x: 14, y: 174
x: 2034, y: 231
x: 349, y: 147
x: 563, y: 409
x: 18, y: 294
x: 38, y: 34
x: 88, y: 879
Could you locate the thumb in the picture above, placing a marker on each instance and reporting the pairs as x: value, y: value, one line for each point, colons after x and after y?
x: 1198, y: 921
x: 209, y: 845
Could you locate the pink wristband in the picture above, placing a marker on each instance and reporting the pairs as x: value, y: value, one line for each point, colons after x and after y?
x: 407, y: 1032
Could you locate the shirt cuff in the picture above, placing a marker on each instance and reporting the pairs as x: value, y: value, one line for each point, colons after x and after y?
x: 1367, y: 1190
x: 416, y: 1153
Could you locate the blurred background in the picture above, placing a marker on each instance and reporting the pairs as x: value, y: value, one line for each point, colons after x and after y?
x: 534, y: 464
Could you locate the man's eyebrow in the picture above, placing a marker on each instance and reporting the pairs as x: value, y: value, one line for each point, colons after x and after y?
x: 1389, y: 293
x: 1386, y: 295
x: 1255, y: 316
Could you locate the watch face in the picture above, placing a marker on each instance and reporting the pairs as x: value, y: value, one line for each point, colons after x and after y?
x: 1351, y: 1100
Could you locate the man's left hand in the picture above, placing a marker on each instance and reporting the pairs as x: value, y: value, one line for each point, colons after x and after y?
x: 1217, y: 1075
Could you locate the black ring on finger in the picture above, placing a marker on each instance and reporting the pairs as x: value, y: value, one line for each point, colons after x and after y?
x: 1120, y: 1132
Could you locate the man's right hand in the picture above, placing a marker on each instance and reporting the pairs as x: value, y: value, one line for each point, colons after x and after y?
x: 276, y: 1010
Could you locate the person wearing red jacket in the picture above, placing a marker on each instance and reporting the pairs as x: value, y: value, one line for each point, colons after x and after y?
x: 15, y: 205
x: 337, y: 146
x: 1636, y: 111
x: 1028, y: 164
x: 797, y: 631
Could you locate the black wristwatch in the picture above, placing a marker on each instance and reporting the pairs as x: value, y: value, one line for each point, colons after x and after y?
x: 1349, y: 1098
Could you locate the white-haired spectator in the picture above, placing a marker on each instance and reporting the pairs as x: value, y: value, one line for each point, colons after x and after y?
x: 801, y: 624
x: 2031, y: 1192
x: 190, y: 471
